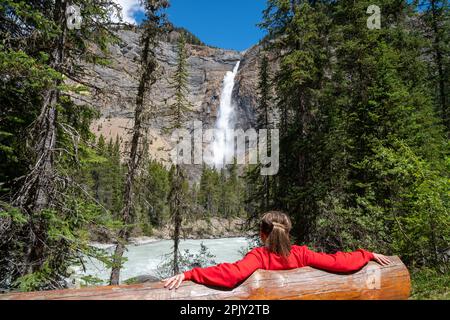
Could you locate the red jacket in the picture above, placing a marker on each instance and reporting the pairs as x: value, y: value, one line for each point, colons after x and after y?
x: 228, y: 275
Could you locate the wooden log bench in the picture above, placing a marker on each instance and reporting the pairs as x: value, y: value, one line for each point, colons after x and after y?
x: 372, y: 282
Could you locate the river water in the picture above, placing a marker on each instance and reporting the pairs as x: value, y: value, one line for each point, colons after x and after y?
x: 145, y: 259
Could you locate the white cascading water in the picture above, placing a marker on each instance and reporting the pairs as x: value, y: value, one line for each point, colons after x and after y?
x: 222, y: 148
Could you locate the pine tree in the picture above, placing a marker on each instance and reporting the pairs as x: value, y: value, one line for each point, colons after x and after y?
x: 299, y: 37
x: 32, y: 256
x: 178, y: 110
x: 262, y: 185
x: 149, y: 64
x: 179, y: 206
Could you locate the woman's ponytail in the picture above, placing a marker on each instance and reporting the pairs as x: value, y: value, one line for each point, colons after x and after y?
x: 277, y: 226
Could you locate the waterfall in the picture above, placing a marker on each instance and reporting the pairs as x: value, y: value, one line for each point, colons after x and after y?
x: 223, y: 147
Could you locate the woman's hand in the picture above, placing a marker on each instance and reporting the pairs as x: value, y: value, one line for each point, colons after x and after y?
x: 381, y: 259
x: 174, y: 281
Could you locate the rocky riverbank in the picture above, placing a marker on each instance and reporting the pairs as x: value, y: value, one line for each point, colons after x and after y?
x: 213, y: 228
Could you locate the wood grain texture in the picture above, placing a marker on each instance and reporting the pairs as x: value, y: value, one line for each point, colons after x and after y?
x: 372, y: 282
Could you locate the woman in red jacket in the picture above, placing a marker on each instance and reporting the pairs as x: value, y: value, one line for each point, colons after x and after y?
x: 277, y: 254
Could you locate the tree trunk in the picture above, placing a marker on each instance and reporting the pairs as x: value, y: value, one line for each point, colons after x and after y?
x: 373, y: 282
x: 38, y: 189
x: 177, y: 206
x: 148, y: 68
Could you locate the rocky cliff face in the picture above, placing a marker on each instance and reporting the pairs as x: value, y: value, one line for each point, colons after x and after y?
x: 246, y: 88
x: 118, y: 81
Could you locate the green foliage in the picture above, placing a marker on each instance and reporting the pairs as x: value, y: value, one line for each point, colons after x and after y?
x: 64, y: 229
x: 189, y: 36
x: 253, y: 242
x: 153, y: 192
x: 14, y: 214
x: 429, y: 284
x: 89, y: 281
x: 232, y: 193
x: 33, y: 281
x: 359, y: 127
x: 209, y: 193
x: 187, y: 261
x: 102, y: 174
x: 181, y: 107
x: 221, y: 193
x: 23, y: 78
x: 46, y: 225
x: 436, y: 31
x: 420, y: 210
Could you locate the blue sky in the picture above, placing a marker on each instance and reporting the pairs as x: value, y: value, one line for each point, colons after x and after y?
x: 229, y: 24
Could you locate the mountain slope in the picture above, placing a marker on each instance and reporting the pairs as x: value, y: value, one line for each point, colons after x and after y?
x: 117, y: 86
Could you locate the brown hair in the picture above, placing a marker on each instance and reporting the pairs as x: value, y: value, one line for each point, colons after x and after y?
x: 276, y: 226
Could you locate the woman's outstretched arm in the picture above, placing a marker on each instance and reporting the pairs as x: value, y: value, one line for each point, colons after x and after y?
x: 342, y: 261
x: 226, y: 275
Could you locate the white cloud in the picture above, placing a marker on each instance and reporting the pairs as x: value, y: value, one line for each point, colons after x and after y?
x: 129, y: 9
